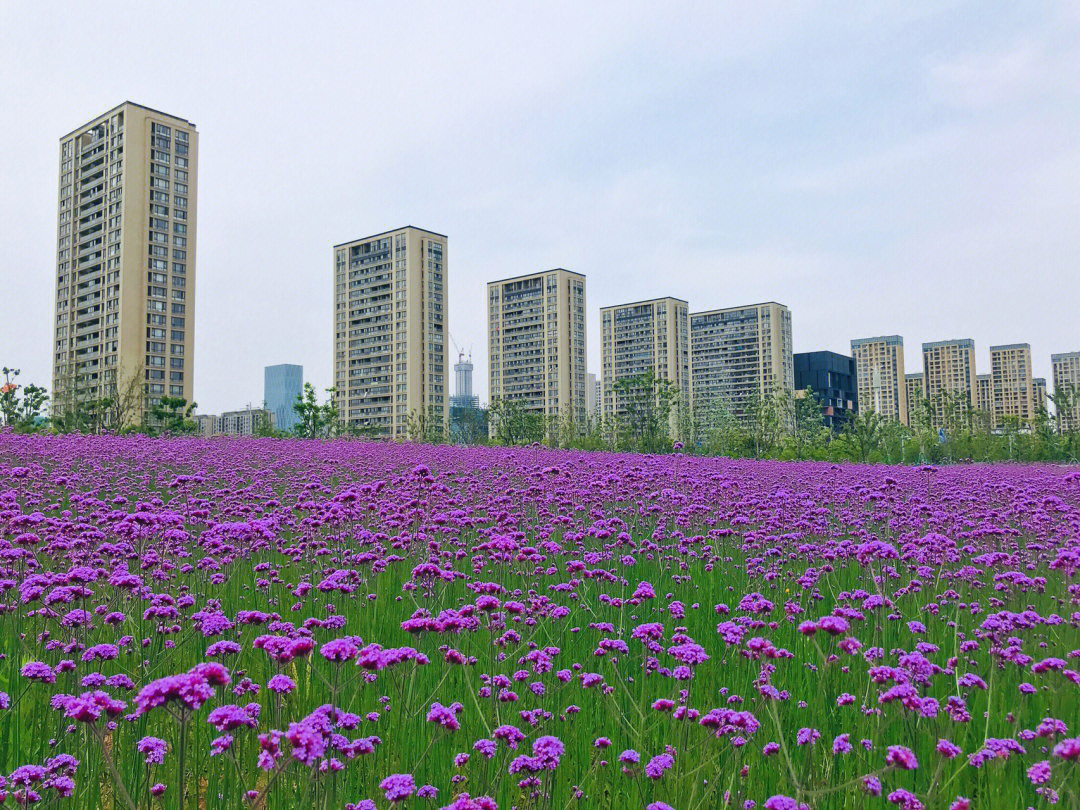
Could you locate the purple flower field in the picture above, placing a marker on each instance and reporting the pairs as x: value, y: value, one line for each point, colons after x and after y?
x: 282, y: 623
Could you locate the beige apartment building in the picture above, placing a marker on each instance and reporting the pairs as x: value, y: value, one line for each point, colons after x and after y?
x: 125, y: 262
x: 592, y: 397
x: 536, y: 343
x: 1011, y: 383
x: 644, y: 336
x: 948, y: 369
x: 914, y: 385
x: 880, y: 378
x: 390, y: 319
x: 984, y: 393
x: 1066, y: 376
x: 244, y: 422
x: 739, y: 354
x: 1038, y: 393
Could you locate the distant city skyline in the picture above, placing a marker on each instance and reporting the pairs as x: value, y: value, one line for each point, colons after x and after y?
x: 909, y: 169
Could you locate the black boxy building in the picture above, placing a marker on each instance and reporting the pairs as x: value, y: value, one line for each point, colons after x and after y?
x: 832, y: 376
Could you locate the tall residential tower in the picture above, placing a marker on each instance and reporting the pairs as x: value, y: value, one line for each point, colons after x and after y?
x: 1011, y: 383
x: 739, y: 354
x: 879, y: 370
x: 640, y: 337
x: 125, y: 262
x: 389, y: 331
x: 1066, y: 376
x: 948, y: 372
x: 536, y: 343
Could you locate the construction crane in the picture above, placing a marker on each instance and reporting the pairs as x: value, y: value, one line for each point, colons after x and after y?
x: 459, y: 350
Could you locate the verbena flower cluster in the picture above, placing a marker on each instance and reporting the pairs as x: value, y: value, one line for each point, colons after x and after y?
x: 277, y: 624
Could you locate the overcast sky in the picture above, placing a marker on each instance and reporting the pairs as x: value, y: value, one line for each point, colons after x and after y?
x: 881, y: 168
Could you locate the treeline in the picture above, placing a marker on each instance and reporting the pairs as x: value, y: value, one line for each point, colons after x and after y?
x: 653, y: 417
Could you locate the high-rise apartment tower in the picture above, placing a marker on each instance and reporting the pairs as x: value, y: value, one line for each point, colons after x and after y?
x: 739, y: 354
x: 390, y: 321
x: 125, y: 262
x: 536, y: 343
x: 1011, y: 383
x: 641, y: 337
x: 879, y: 371
x: 1066, y: 376
x: 948, y: 374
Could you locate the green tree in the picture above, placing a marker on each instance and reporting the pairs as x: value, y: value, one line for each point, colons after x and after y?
x: 173, y: 415
x: 427, y: 426
x: 805, y: 414
x: 511, y: 424
x: 468, y: 425
x: 716, y: 430
x: 864, y: 433
x: 763, y: 419
x: 22, y: 412
x: 645, y: 404
x: 316, y: 419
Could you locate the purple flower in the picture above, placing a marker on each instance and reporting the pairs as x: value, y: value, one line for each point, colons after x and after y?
x: 444, y: 716
x: 658, y: 764
x: 900, y: 757
x: 1068, y: 749
x: 398, y: 787
x: 948, y: 749
x: 780, y: 802
x: 1039, y: 773
x: 38, y: 671
x: 282, y: 684
x: 548, y: 750
x: 154, y: 748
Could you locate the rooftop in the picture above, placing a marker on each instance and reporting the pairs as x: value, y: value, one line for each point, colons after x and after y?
x: 964, y: 343
x: 537, y: 273
x: 733, y: 309
x: 107, y: 113
x: 392, y: 230
x: 893, y: 340
x: 645, y: 301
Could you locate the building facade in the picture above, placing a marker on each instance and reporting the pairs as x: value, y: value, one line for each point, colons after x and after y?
x: 536, y: 343
x: 282, y: 385
x: 644, y: 336
x: 984, y: 394
x: 1038, y: 394
x: 245, y: 422
x: 592, y: 398
x: 390, y: 320
x: 948, y: 372
x: 831, y: 376
x: 1066, y: 376
x: 913, y: 383
x: 879, y: 371
x: 1011, y: 383
x: 125, y: 260
x: 739, y: 354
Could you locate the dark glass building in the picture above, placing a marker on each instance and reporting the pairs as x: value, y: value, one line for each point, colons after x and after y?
x: 832, y: 377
